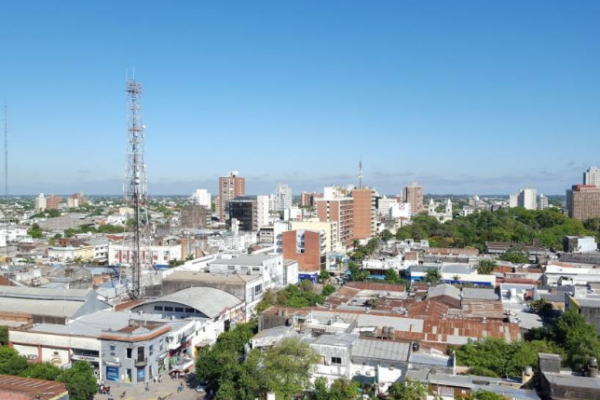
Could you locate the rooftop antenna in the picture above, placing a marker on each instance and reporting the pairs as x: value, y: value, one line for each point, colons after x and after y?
x: 136, y: 192
x: 360, y: 175
x: 6, y: 219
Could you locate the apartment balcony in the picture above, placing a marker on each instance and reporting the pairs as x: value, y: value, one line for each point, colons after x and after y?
x: 141, y: 362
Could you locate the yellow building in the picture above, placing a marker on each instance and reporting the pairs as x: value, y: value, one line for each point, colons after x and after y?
x: 332, y: 242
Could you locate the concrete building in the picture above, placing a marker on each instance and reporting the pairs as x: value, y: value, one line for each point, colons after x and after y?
x: 384, y: 204
x: 340, y: 210
x: 120, y: 252
x: 53, y: 202
x: 330, y: 230
x: 195, y: 216
x: 41, y: 203
x: 400, y: 211
x: 526, y: 198
x: 365, y: 213
x: 413, y: 194
x: 262, y: 211
x: 592, y: 177
x: 201, y: 197
x: 230, y: 187
x: 283, y: 197
x: 308, y: 199
x: 579, y: 244
x: 557, y: 384
x: 542, y: 203
x: 583, y: 202
x: 306, y: 247
x: 244, y: 209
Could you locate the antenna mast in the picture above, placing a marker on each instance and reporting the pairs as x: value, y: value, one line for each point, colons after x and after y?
x: 360, y: 175
x: 136, y: 192
x: 6, y: 219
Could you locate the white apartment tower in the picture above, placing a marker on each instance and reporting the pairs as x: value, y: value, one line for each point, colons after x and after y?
x: 201, y: 197
x: 542, y: 202
x: 40, y: 202
x: 262, y: 211
x: 283, y: 197
x: 592, y: 177
x: 527, y: 198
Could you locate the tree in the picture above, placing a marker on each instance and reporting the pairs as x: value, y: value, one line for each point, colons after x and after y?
x: 341, y: 389
x: 35, y: 231
x: 486, y: 267
x: 433, y: 276
x: 324, y: 276
x: 386, y: 235
x: 288, y: 367
x: 408, y: 390
x: 391, y: 276
x: 542, y: 307
x: 44, y: 370
x: 515, y: 256
x: 3, y: 335
x: 11, y: 363
x: 80, y: 381
x: 327, y: 290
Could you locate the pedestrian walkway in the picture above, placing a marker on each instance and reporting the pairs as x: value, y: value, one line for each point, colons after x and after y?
x: 167, y: 389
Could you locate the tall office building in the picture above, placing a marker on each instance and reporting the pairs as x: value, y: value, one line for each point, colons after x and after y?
x: 413, y: 195
x: 201, y: 197
x: 365, y: 209
x: 230, y: 187
x: 244, y: 209
x: 592, y: 177
x: 283, y: 197
x: 583, y: 202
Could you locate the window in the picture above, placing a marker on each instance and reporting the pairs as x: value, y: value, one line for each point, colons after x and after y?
x: 258, y: 289
x: 189, y: 310
x: 161, y: 344
x: 112, y: 347
x: 141, y: 354
x: 178, y: 309
x: 158, y: 308
x: 169, y: 309
x: 129, y: 352
x: 151, y: 351
x: 336, y: 360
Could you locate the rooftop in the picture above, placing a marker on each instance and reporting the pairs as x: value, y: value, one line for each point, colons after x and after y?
x: 480, y: 294
x: 381, y: 350
x: 246, y: 259
x: 29, y: 388
x: 212, y: 302
x: 208, y: 277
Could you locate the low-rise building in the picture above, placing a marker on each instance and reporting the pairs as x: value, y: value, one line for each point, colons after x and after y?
x: 580, y: 244
x: 19, y: 388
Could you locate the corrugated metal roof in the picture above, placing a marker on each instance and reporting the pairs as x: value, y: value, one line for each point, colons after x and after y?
x: 50, y: 308
x: 480, y: 294
x: 43, y: 293
x: 381, y: 350
x: 210, y: 301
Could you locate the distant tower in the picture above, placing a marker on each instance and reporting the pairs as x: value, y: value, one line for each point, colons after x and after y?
x: 136, y: 192
x: 360, y: 175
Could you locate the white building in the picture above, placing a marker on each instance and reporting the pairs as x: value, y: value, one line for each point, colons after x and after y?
x: 40, y: 202
x: 592, y: 176
x: 526, y: 198
x: 201, y: 197
x: 262, y: 211
x: 292, y: 214
x: 283, y: 197
x: 400, y: 210
x: 122, y: 253
x: 384, y: 205
x: 542, y: 202
x: 271, y: 267
x: 73, y: 202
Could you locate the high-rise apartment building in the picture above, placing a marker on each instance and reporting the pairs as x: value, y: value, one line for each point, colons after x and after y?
x: 583, y: 202
x: 542, y: 202
x: 592, y: 177
x: 262, y: 211
x: 527, y: 198
x: 40, y: 203
x: 53, y: 202
x: 413, y: 194
x: 230, y: 187
x: 340, y: 210
x: 365, y: 209
x: 283, y: 197
x: 201, y: 197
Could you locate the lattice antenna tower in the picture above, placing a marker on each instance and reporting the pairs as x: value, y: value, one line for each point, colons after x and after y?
x: 360, y: 175
x: 136, y: 192
x: 6, y: 216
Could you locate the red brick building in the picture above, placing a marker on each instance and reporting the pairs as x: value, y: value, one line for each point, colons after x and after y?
x: 306, y: 247
x: 364, y: 213
x: 583, y: 202
x: 340, y: 210
x: 230, y: 187
x: 53, y: 202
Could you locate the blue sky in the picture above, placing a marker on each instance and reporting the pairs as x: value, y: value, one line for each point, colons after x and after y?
x: 461, y: 96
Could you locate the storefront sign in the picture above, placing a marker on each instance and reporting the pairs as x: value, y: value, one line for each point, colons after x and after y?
x: 112, y: 374
x: 85, y: 358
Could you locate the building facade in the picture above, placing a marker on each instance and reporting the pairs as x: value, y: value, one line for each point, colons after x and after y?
x: 245, y: 211
x: 592, y: 177
x: 53, y: 202
x: 583, y: 202
x: 365, y: 209
x: 413, y: 195
x: 283, y: 197
x: 340, y: 210
x: 195, y: 216
x: 201, y: 197
x: 306, y: 247
x: 40, y: 202
x: 230, y: 187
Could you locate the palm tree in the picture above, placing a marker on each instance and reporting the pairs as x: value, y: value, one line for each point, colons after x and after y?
x: 433, y: 276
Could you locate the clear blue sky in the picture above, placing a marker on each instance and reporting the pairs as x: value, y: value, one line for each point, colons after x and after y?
x: 462, y: 96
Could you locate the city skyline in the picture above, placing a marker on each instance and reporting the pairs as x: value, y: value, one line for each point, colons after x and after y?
x: 483, y: 110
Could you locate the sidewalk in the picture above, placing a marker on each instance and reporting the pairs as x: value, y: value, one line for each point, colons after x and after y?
x: 167, y: 389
